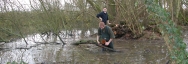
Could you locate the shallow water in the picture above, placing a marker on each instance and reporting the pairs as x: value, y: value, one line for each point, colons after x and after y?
x: 133, y: 52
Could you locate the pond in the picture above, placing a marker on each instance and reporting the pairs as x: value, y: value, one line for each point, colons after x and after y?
x: 36, y: 52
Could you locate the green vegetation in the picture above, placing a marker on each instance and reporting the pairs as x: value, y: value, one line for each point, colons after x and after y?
x: 170, y: 32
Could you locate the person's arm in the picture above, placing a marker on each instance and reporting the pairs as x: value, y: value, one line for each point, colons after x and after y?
x: 99, y: 16
x: 111, y: 36
x: 107, y: 43
x: 98, y: 39
x: 108, y: 22
x: 98, y: 35
x: 107, y: 17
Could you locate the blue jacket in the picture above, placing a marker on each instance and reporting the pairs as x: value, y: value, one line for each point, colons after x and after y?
x: 104, y: 16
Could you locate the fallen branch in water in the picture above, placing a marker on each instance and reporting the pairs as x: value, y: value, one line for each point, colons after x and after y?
x: 94, y: 42
x: 84, y: 42
x: 47, y: 42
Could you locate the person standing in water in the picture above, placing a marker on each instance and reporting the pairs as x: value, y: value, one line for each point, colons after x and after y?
x: 106, y: 35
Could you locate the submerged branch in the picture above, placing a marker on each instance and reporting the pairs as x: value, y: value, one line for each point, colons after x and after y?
x: 95, y: 43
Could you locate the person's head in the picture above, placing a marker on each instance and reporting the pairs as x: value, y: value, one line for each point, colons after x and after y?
x: 105, y: 9
x: 101, y: 25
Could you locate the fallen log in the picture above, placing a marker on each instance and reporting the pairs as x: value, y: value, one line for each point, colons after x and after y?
x: 48, y: 42
x: 85, y: 42
x: 95, y: 43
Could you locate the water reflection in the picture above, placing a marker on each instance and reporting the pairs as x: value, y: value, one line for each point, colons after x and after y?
x: 134, y: 51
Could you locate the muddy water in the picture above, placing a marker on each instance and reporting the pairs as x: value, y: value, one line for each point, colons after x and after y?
x: 133, y: 52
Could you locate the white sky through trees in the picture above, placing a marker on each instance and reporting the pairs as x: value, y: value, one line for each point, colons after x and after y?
x: 22, y: 4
